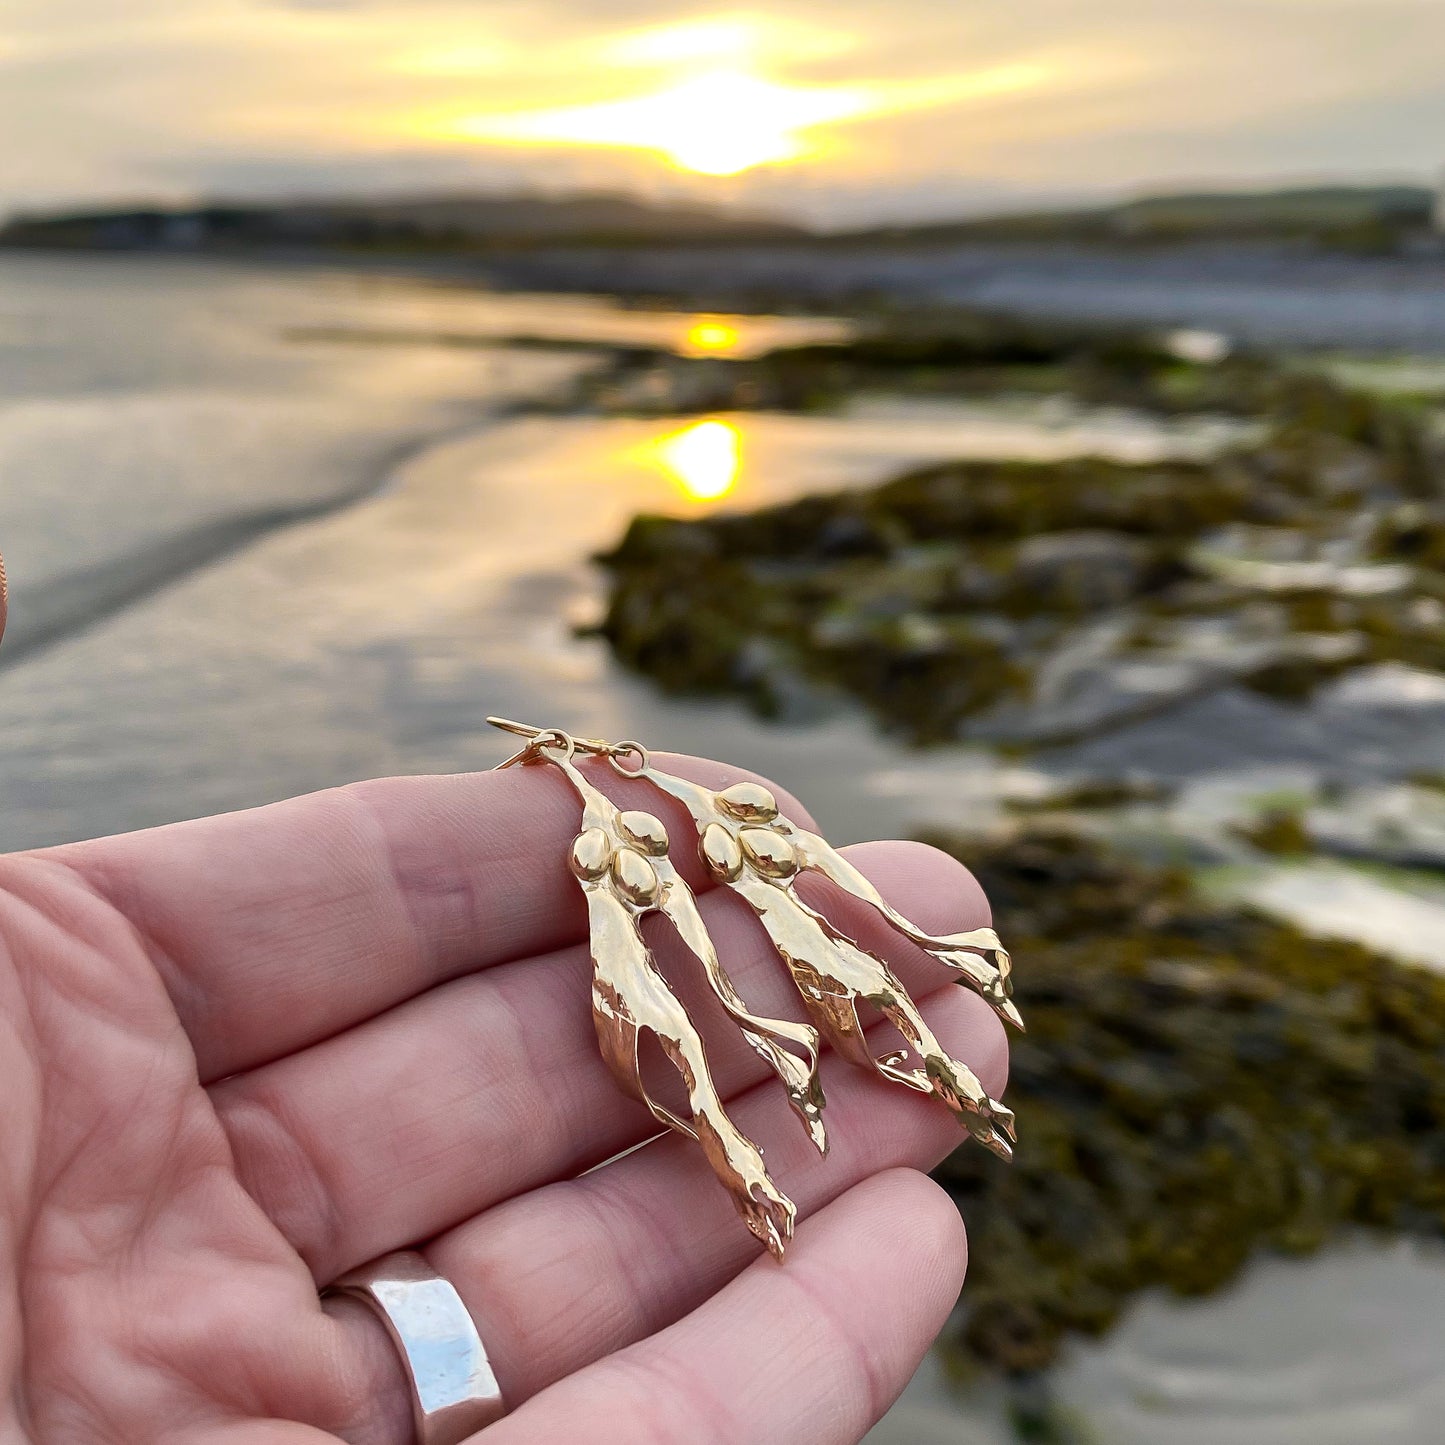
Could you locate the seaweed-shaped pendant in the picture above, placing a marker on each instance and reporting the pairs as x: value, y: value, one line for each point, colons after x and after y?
x: 750, y: 847
x: 621, y: 861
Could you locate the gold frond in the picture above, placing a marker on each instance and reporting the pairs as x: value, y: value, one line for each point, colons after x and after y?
x: 751, y: 848
x: 620, y: 860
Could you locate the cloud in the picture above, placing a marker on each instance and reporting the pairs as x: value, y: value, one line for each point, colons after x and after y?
x: 978, y: 99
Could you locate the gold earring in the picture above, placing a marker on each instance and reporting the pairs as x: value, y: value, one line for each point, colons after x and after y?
x: 620, y: 859
x: 751, y: 847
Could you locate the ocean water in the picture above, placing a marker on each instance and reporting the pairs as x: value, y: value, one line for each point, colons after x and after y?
x: 270, y: 530
x: 274, y: 529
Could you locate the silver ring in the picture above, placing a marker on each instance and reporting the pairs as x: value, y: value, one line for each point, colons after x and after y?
x: 453, y: 1390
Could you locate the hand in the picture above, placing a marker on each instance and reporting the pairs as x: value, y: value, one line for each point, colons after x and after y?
x: 244, y: 1054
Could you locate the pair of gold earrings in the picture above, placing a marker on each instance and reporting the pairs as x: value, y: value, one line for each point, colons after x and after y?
x: 620, y: 859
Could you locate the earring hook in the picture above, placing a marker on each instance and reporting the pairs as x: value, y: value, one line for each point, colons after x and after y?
x: 538, y: 738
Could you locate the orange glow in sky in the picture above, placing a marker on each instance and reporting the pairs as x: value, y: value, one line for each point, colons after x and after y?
x: 717, y: 123
x: 899, y: 110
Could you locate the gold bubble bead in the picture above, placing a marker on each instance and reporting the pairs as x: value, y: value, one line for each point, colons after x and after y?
x: 770, y: 853
x: 721, y: 852
x: 748, y: 803
x: 591, y: 853
x: 644, y: 832
x: 634, y: 878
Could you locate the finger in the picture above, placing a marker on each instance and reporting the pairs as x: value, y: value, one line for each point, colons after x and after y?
x: 494, y: 1084
x: 280, y: 926
x: 650, y: 1236
x: 812, y: 1353
x: 560, y: 1277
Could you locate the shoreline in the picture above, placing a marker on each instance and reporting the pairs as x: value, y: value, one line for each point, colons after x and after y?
x: 1268, y: 295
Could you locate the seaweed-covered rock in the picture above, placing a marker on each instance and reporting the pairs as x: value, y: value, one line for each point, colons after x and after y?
x: 1039, y: 602
x: 1081, y: 571
x: 953, y: 353
x: 1197, y: 1084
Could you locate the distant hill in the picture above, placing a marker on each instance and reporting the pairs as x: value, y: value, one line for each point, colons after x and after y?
x: 1363, y: 215
x: 441, y: 222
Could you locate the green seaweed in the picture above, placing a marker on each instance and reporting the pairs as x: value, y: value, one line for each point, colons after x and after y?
x: 1198, y: 1084
x: 1279, y: 831
x: 1094, y: 794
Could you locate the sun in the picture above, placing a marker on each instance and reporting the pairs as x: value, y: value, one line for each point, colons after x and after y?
x: 716, y: 124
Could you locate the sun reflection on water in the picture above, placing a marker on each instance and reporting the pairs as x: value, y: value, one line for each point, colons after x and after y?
x: 710, y: 336
x: 704, y: 459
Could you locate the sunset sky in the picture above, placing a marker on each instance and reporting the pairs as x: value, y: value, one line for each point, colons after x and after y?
x: 839, y: 110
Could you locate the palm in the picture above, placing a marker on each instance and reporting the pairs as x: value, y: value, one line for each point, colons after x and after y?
x: 246, y: 1054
